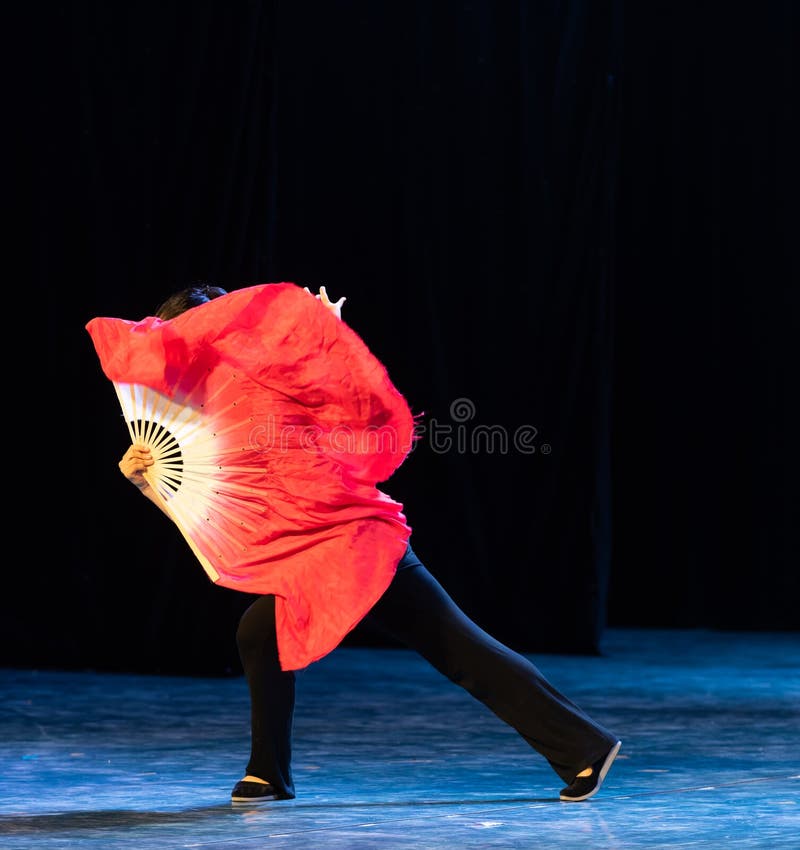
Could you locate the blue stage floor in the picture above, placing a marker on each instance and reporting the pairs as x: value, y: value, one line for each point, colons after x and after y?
x: 388, y: 754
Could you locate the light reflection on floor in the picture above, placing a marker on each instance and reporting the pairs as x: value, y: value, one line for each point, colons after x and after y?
x: 388, y: 754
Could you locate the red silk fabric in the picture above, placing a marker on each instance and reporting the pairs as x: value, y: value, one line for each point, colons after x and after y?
x: 308, y: 423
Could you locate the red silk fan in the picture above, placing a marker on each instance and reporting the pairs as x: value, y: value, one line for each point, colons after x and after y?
x: 271, y: 424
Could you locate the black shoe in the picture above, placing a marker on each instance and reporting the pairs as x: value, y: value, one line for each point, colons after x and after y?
x: 252, y: 793
x: 583, y: 787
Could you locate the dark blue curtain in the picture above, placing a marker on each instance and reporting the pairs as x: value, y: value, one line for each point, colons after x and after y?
x: 565, y: 231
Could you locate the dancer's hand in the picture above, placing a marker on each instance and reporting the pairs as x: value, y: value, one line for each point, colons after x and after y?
x: 334, y: 307
x: 135, y: 462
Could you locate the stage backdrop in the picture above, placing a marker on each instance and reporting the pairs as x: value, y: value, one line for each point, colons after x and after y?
x: 566, y: 234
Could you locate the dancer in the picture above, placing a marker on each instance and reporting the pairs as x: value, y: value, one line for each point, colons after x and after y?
x: 384, y: 581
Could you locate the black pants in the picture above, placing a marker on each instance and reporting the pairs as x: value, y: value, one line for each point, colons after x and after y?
x: 417, y: 611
